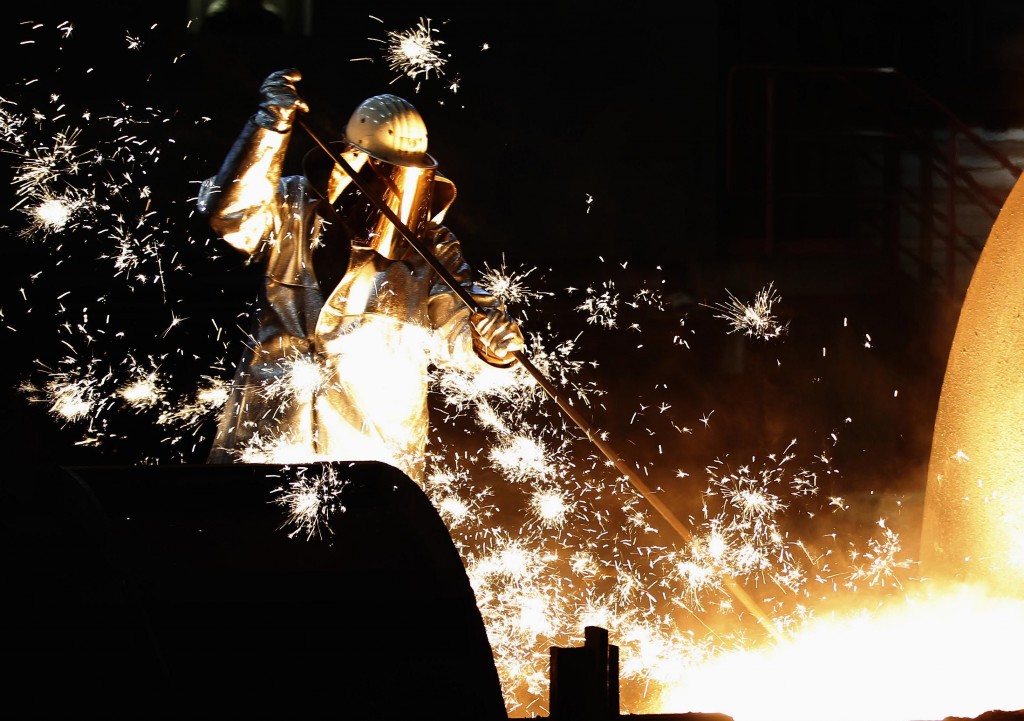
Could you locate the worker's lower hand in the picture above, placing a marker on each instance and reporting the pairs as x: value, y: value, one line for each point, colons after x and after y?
x: 281, y: 101
x: 496, y: 337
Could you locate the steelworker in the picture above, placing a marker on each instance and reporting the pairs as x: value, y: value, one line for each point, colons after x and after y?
x: 350, y: 316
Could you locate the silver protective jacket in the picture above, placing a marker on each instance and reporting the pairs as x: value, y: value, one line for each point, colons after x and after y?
x: 339, y: 373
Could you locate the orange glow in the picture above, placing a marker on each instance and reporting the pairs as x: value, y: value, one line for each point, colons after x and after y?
x: 922, y: 657
x: 973, y: 524
x: 940, y: 649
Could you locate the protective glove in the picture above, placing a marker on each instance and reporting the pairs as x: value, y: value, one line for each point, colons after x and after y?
x: 281, y: 101
x: 496, y: 336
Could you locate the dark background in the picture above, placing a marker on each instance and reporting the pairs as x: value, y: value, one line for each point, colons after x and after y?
x: 586, y: 140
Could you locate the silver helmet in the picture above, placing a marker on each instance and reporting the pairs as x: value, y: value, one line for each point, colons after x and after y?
x: 386, y: 143
x: 390, y: 129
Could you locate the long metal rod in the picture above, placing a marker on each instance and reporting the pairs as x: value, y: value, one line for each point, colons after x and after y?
x: 541, y: 379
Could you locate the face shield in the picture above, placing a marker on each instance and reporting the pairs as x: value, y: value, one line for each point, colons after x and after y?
x: 386, y: 144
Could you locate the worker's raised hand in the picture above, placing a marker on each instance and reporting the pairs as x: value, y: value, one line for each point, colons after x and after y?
x: 281, y: 101
x: 496, y: 337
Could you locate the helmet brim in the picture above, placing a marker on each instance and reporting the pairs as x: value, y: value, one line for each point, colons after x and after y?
x: 405, y: 160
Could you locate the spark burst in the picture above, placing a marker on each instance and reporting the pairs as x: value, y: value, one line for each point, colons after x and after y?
x: 415, y: 52
x: 310, y: 499
x: 755, y: 320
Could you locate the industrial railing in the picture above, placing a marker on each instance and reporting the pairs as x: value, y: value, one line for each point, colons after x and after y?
x: 858, y: 162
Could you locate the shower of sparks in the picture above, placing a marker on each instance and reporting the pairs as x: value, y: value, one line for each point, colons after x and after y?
x: 299, y: 378
x: 521, y: 458
x: 510, y: 287
x: 755, y: 320
x: 415, y: 52
x: 72, y: 397
x: 552, y: 537
x: 210, y: 396
x: 82, y: 183
x: 880, y: 564
x: 144, y: 392
x: 60, y: 158
x: 311, y: 498
x: 601, y: 305
x: 552, y: 507
x: 450, y: 488
x: 50, y: 215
